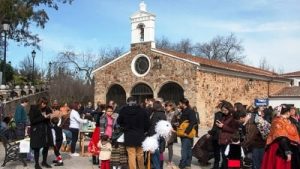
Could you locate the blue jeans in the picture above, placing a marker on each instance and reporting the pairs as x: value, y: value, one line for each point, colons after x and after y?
x: 257, y: 156
x: 68, y: 134
x: 155, y: 160
x: 20, y: 130
x: 186, y: 152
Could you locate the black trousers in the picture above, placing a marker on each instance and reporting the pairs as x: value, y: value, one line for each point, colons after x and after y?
x: 217, y: 154
x: 58, y: 141
x: 75, y: 133
x: 224, y: 159
x: 37, y: 154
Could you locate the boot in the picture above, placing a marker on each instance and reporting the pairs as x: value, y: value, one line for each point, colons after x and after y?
x: 37, y: 166
x: 97, y: 160
x: 94, y: 160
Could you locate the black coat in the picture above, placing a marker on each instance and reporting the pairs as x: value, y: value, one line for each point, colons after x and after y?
x: 135, y: 122
x: 40, y: 130
x: 156, y: 117
x: 215, y: 131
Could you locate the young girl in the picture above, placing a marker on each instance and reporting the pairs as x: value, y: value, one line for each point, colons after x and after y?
x: 105, y: 153
x: 57, y: 140
x: 234, y: 152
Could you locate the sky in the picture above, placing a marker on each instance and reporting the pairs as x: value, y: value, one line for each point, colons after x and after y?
x: 268, y: 29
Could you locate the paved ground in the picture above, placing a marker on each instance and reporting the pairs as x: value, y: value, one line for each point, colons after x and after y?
x: 85, y: 162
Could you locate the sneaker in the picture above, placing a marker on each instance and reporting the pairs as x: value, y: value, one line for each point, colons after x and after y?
x: 37, y: 166
x: 54, y: 161
x: 44, y: 164
x: 59, y: 164
x: 75, y: 155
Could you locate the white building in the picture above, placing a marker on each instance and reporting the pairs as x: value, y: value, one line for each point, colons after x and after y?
x: 294, y: 76
x: 287, y: 95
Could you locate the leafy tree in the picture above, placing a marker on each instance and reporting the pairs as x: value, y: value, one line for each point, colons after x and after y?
x: 22, y: 14
x: 9, y: 71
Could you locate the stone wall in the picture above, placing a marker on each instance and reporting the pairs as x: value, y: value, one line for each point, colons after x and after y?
x: 120, y: 72
x: 12, y: 96
x: 213, y: 87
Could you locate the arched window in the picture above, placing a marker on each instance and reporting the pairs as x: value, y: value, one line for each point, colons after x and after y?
x: 117, y: 94
x: 141, y: 92
x: 141, y: 27
x: 171, y: 92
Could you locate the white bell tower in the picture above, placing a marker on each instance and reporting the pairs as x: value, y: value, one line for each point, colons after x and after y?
x: 143, y: 26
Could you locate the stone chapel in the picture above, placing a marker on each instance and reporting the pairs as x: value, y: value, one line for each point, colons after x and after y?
x: 148, y: 72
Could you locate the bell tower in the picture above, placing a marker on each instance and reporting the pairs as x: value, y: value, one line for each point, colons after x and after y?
x: 143, y: 26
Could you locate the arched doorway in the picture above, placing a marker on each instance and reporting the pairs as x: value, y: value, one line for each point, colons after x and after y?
x: 141, y: 92
x: 171, y: 92
x: 117, y: 94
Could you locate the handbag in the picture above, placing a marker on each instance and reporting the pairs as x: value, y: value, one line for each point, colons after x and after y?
x: 117, y: 133
x: 181, y: 130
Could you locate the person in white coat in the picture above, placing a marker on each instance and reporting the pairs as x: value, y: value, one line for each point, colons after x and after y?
x: 75, y: 122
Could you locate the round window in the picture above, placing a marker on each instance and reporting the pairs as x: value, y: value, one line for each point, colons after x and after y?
x: 141, y: 65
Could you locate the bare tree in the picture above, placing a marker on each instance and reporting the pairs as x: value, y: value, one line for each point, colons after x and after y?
x: 25, y: 69
x: 223, y: 48
x: 84, y: 63
x: 184, y: 46
x: 108, y: 54
x: 163, y: 43
x: 67, y: 87
x: 263, y: 64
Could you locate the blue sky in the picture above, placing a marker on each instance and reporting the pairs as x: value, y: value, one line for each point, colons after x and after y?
x: 268, y: 28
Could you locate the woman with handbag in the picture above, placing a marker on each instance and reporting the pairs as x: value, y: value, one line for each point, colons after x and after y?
x: 188, y: 116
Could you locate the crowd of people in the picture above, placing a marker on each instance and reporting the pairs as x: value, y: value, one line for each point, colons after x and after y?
x: 241, y: 136
x: 270, y: 138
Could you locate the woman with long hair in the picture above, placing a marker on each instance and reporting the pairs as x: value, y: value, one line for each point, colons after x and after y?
x: 75, y: 122
x: 228, y: 126
x: 41, y: 136
x: 171, y: 117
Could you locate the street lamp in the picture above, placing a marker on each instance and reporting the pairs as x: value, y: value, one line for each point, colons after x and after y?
x: 6, y: 27
x: 49, y: 71
x: 33, y: 56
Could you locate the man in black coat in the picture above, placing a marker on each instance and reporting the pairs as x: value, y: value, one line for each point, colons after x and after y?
x: 135, y: 122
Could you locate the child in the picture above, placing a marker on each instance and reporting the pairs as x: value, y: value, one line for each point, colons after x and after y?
x: 119, y: 157
x: 105, y: 152
x: 57, y: 140
x: 234, y: 152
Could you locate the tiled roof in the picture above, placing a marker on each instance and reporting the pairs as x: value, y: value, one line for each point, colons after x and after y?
x: 292, y: 74
x: 238, y: 67
x: 293, y: 91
